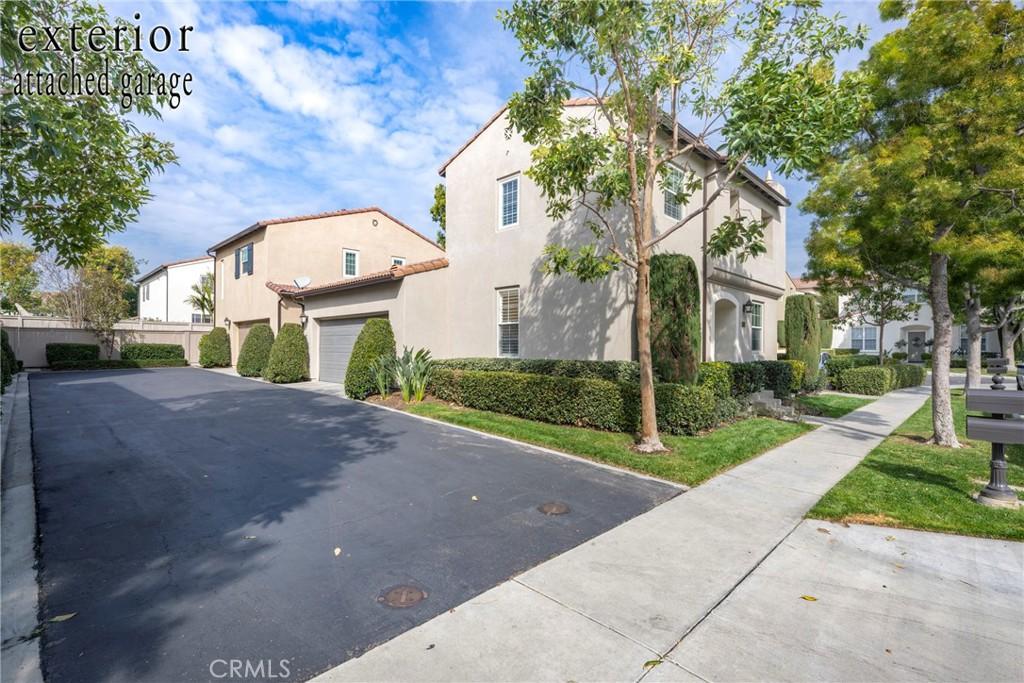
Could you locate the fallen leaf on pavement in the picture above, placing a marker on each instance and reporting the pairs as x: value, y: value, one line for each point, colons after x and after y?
x: 890, y: 538
x: 824, y: 530
x: 63, y: 617
x: 337, y: 551
x: 809, y: 598
x: 474, y: 498
x: 651, y: 663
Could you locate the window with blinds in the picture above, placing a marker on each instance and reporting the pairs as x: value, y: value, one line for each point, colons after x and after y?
x: 508, y: 321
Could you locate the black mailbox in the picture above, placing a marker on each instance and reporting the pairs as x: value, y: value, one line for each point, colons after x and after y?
x: 1003, y: 424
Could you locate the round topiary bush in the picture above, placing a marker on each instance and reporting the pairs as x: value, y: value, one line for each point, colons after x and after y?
x: 376, y: 339
x: 215, y: 349
x: 289, y: 356
x: 255, y: 353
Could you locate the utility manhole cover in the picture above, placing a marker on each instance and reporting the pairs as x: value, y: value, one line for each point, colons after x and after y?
x: 553, y: 508
x: 402, y: 596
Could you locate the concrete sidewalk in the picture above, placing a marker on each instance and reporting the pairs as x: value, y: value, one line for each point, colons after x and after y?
x: 608, y: 607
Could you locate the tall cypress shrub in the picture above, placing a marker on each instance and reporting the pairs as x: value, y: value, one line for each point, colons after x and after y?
x: 803, y: 333
x: 675, y: 318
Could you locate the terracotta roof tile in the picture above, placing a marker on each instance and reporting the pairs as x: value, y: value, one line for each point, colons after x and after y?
x: 392, y: 273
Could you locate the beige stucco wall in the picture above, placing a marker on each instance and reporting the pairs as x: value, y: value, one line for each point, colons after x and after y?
x: 559, y: 316
x: 30, y: 335
x: 417, y: 307
x: 311, y: 248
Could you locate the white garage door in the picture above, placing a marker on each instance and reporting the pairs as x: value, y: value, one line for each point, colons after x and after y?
x: 336, y: 340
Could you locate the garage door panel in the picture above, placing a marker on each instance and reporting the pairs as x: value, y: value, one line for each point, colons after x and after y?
x: 337, y: 337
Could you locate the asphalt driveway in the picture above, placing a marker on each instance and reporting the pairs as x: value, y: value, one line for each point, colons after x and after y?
x: 189, y: 518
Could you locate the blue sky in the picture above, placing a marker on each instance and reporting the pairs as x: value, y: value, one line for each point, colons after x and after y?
x: 306, y: 106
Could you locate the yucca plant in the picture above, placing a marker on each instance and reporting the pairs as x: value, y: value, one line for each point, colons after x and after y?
x: 412, y: 371
x: 381, y: 373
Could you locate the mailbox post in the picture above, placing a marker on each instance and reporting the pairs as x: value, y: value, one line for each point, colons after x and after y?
x: 1002, y: 425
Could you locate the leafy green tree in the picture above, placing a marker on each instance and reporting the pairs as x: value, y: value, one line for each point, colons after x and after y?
x: 643, y: 65
x: 106, y: 304
x: 18, y: 276
x: 936, y: 165
x: 437, y: 214
x: 201, y: 298
x: 876, y: 300
x: 74, y: 168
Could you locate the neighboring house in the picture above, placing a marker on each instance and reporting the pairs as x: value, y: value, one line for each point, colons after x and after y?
x: 164, y: 290
x: 490, y: 297
x: 256, y: 267
x: 915, y: 333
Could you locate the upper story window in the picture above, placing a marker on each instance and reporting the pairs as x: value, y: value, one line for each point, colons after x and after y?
x: 757, y: 326
x: 243, y: 261
x: 145, y: 292
x: 965, y: 341
x: 673, y: 185
x: 201, y: 318
x: 865, y: 338
x: 350, y: 262
x: 508, y: 321
x: 397, y: 261
x: 508, y: 202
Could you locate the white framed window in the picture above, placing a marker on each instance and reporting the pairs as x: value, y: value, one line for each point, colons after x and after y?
x: 508, y: 321
x: 349, y: 262
x: 508, y: 203
x: 757, y: 326
x: 201, y: 318
x: 145, y: 292
x: 398, y: 260
x: 243, y: 260
x: 964, y: 340
x: 673, y: 184
x: 865, y: 338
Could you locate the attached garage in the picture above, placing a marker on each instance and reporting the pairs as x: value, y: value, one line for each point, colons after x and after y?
x: 337, y: 337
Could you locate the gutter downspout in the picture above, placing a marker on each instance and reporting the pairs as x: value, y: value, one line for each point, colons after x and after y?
x: 167, y: 294
x: 704, y: 273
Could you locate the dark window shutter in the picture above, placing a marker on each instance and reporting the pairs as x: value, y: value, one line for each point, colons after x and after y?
x: 248, y: 261
x: 238, y: 263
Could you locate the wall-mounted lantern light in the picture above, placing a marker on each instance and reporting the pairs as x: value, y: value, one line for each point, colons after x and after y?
x: 748, y: 307
x: 227, y: 322
x: 303, y: 319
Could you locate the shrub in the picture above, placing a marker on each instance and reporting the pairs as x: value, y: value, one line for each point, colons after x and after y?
x: 119, y: 364
x: 927, y: 356
x: 716, y: 376
x: 908, y: 375
x: 872, y: 381
x: 675, y: 317
x: 582, y: 402
x: 412, y: 373
x: 844, y: 352
x: 747, y: 378
x: 955, y: 363
x: 56, y: 352
x: 803, y: 332
x: 610, y: 370
x: 727, y: 409
x: 825, y: 333
x: 255, y: 352
x: 376, y: 339
x: 780, y: 333
x: 836, y: 366
x: 899, y: 355
x: 289, y: 356
x: 9, y: 365
x: 778, y: 376
x: 152, y: 351
x: 798, y: 369
x: 215, y: 349
x: 382, y: 372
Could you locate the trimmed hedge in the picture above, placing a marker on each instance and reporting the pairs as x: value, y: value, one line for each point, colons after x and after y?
x: 797, y: 369
x: 835, y: 367
x: 152, y: 352
x: 376, y: 339
x: 215, y: 349
x: 119, y: 364
x: 60, y: 351
x: 803, y: 332
x: 610, y: 370
x: 578, y: 401
x: 747, y: 378
x: 675, y: 318
x: 8, y: 362
x: 825, y: 333
x: 716, y: 376
x: 875, y: 380
x: 780, y: 333
x: 778, y: 376
x: 255, y: 352
x: 289, y: 356
x: 844, y: 352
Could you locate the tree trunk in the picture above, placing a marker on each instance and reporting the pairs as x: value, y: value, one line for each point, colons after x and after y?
x: 942, y: 323
x: 1007, y: 339
x: 650, y: 441
x: 973, y: 338
x: 881, y: 341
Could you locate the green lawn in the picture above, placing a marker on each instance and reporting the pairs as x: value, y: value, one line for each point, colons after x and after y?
x: 693, y: 458
x: 905, y: 483
x: 831, y: 405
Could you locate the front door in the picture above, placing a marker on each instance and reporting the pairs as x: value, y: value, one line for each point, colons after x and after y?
x: 915, y: 346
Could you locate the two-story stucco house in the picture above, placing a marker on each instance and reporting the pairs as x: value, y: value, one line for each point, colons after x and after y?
x: 318, y: 248
x: 490, y: 297
x: 164, y: 291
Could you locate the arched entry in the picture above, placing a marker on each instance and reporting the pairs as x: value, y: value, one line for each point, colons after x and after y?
x: 726, y: 331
